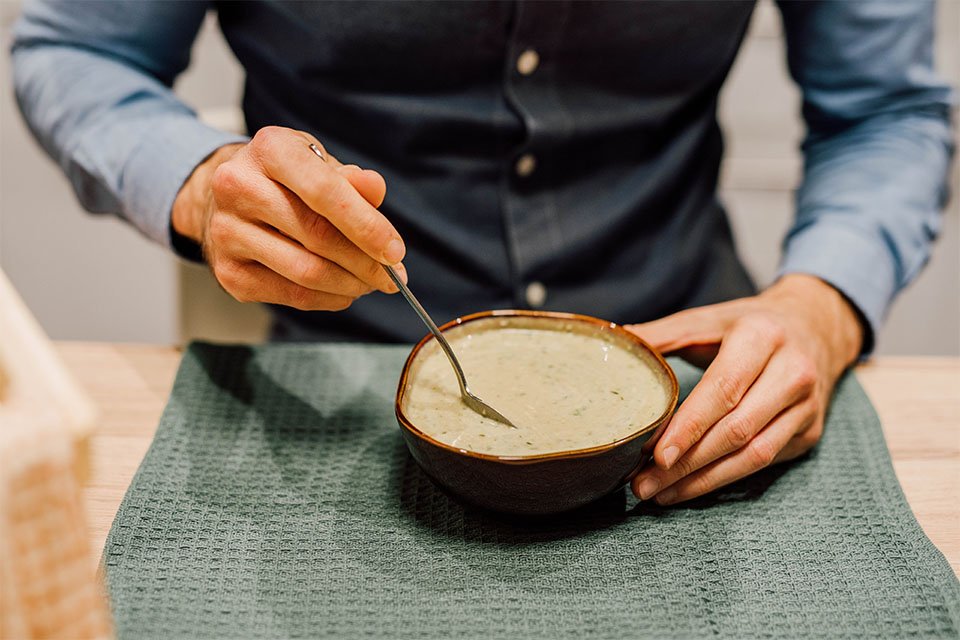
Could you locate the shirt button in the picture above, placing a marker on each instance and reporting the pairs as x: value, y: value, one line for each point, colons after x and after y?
x: 527, y: 62
x: 526, y: 164
x: 536, y: 294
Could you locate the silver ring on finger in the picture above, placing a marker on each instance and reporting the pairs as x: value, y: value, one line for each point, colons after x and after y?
x: 317, y: 151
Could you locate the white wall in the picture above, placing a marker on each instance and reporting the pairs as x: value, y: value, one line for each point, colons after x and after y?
x: 93, y: 278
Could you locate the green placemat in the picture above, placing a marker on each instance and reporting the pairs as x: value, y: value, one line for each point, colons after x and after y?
x: 278, y: 500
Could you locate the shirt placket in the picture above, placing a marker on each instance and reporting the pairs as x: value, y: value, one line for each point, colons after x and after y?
x: 530, y: 209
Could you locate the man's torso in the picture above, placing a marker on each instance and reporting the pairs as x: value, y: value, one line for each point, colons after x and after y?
x: 556, y: 155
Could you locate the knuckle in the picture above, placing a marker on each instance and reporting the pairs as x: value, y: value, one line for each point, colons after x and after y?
x: 697, y: 486
x: 267, y: 138
x: 766, y: 327
x: 226, y: 181
x: 311, y: 272
x: 695, y: 425
x: 728, y: 388
x: 220, y: 230
x: 369, y: 229
x: 682, y: 467
x: 322, y: 275
x: 324, y: 234
x: 326, y: 186
x: 373, y: 272
x: 356, y: 288
x: 811, y: 436
x: 230, y: 276
x: 738, y: 431
x: 301, y: 298
x: 761, y: 453
x: 366, y: 226
x: 777, y: 334
x: 804, y: 375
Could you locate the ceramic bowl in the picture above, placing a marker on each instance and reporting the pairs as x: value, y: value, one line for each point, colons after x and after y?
x: 546, y: 483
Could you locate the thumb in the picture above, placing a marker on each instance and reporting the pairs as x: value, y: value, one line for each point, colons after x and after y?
x: 367, y: 182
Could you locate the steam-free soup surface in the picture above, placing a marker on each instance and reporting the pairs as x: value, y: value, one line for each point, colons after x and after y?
x: 563, y: 390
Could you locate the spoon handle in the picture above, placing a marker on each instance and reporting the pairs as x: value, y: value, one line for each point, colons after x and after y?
x: 427, y: 320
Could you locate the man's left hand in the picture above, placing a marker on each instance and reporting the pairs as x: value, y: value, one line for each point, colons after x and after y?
x: 773, y: 362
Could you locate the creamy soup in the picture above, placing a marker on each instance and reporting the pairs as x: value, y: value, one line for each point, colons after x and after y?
x: 563, y: 389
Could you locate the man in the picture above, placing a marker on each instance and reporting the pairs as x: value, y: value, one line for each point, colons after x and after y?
x: 538, y: 154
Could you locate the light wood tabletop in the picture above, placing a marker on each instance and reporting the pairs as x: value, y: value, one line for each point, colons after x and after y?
x: 918, y: 400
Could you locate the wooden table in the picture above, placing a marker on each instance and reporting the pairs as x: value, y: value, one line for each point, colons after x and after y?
x: 918, y: 400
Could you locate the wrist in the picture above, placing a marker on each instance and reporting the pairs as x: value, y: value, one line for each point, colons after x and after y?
x: 192, y: 201
x: 834, y: 316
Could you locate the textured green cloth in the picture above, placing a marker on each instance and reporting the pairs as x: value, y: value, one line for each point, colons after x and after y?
x: 278, y: 500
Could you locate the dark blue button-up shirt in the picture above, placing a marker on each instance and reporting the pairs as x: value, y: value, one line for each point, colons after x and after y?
x: 559, y: 154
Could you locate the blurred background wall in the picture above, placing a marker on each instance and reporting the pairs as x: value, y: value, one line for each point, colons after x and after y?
x: 93, y: 278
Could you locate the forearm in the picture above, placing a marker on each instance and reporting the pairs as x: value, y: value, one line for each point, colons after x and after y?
x: 98, y: 100
x: 869, y: 208
x: 877, y: 151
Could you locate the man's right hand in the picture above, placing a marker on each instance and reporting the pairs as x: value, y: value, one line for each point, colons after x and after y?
x: 279, y: 225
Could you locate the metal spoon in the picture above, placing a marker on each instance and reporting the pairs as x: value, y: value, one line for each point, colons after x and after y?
x: 469, y: 398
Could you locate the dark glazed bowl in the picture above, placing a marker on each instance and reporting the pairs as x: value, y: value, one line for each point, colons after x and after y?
x: 546, y: 483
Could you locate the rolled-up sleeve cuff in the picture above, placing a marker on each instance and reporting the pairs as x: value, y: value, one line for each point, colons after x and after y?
x: 859, y: 266
x: 166, y: 156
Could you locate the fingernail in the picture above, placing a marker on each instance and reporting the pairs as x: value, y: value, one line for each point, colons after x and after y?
x: 348, y: 167
x: 666, y: 496
x: 648, y: 487
x: 394, y: 251
x: 670, y: 455
x: 401, y: 272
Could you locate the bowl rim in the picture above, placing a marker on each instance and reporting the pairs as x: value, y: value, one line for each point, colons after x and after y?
x: 603, y: 325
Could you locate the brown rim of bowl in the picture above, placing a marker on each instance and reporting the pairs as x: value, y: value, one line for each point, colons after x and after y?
x: 573, y: 453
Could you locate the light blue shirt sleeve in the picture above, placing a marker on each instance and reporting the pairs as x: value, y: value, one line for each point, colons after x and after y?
x: 93, y: 82
x: 877, y: 150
